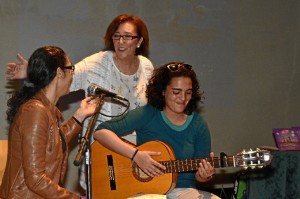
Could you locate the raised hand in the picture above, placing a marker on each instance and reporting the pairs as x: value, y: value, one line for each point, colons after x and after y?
x: 87, y: 108
x: 15, y: 70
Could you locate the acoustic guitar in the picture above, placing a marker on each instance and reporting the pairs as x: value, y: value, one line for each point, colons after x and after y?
x: 117, y: 177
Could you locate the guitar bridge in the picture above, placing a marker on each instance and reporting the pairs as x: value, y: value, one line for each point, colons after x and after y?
x: 111, y: 172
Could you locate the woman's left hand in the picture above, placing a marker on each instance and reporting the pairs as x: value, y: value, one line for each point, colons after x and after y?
x: 205, y: 170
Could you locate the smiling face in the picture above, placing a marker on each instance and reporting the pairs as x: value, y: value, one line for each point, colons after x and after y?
x: 126, y: 48
x: 177, y: 95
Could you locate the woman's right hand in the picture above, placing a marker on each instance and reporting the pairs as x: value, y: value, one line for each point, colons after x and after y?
x: 151, y: 167
x: 16, y: 71
x: 87, y: 108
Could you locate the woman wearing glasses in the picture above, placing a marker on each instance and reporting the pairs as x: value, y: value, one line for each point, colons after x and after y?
x: 121, y: 68
x: 171, y: 116
x: 38, y: 141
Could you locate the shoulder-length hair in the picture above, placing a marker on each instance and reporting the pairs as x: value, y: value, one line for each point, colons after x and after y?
x: 141, y: 29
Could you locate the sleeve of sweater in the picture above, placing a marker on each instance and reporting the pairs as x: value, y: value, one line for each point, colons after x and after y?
x: 133, y: 120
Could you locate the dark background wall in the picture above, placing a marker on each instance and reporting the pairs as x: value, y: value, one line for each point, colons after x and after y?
x: 246, y: 55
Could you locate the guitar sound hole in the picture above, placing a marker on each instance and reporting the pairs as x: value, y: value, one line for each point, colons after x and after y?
x: 139, y: 174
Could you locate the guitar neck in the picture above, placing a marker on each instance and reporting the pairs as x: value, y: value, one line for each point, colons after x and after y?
x: 178, y: 166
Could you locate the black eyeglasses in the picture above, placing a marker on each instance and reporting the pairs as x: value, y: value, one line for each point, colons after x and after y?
x: 175, y: 67
x: 124, y: 37
x: 72, y: 67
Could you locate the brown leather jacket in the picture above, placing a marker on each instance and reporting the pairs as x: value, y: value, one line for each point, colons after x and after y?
x: 37, y: 157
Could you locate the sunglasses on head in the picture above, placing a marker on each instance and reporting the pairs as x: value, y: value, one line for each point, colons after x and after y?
x: 175, y: 67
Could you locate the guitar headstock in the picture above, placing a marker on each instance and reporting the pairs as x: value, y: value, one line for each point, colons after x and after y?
x: 258, y: 158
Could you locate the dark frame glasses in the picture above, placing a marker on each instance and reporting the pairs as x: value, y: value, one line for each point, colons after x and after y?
x: 72, y: 67
x: 175, y: 66
x: 124, y: 37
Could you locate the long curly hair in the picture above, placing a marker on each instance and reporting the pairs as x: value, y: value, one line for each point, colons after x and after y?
x: 162, y: 77
x: 42, y: 66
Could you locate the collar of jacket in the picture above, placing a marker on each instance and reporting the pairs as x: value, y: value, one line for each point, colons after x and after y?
x: 53, y: 108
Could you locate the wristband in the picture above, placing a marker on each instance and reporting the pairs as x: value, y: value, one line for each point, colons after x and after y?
x: 80, y: 123
x: 134, y: 154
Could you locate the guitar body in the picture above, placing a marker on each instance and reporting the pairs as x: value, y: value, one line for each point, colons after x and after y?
x: 114, y: 176
x: 117, y: 177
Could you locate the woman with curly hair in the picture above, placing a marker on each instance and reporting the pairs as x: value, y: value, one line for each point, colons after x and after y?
x: 171, y: 116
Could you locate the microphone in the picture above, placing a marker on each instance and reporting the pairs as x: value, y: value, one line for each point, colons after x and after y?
x: 94, y: 90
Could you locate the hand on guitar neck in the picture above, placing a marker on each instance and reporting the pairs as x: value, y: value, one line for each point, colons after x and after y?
x: 144, y: 160
x: 205, y: 170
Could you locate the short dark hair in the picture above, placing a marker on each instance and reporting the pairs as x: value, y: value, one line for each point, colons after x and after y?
x: 162, y: 77
x: 141, y: 29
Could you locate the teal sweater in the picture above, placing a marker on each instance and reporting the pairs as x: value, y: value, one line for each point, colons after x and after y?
x: 191, y: 140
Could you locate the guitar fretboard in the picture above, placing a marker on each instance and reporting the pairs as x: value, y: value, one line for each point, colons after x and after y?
x: 177, y: 166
